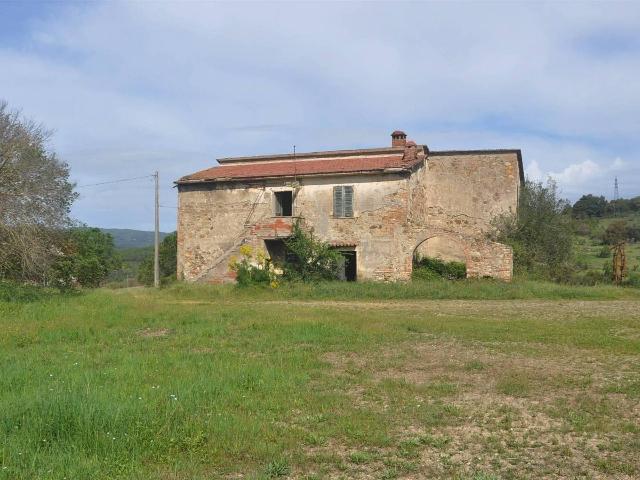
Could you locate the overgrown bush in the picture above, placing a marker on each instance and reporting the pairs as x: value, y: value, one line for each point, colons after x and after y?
x: 605, y: 252
x: 254, y: 270
x: 540, y: 233
x: 620, y: 231
x: 20, y: 293
x: 633, y: 280
x: 582, y: 227
x: 88, y: 256
x: 310, y: 259
x: 590, y: 278
x: 429, y: 268
x: 616, y: 232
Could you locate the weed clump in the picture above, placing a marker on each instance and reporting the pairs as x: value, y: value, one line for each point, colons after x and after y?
x: 277, y: 468
x: 429, y: 268
x: 21, y: 293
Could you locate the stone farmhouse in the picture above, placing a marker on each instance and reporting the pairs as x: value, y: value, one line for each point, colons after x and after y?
x: 378, y: 206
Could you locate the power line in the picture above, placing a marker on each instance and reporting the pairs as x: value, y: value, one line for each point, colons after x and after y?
x: 114, y: 181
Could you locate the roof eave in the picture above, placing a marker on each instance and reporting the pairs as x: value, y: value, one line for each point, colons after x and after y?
x: 275, y: 177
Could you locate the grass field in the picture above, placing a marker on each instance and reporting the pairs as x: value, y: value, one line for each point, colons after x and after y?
x: 327, y: 381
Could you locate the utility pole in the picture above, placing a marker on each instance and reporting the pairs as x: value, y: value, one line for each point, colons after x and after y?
x: 156, y: 255
x: 616, y: 196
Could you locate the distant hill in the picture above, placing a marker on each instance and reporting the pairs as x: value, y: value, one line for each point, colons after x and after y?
x: 126, y: 238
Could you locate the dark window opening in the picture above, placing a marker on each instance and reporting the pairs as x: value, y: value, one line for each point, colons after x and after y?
x: 343, y: 201
x: 277, y: 251
x: 284, y: 204
x: 348, y: 271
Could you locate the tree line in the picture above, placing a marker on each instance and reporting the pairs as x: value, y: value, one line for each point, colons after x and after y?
x: 592, y: 206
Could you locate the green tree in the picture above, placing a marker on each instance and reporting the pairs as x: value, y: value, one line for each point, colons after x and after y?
x: 88, y: 257
x: 590, y: 206
x: 168, y: 254
x: 540, y: 233
x: 35, y: 199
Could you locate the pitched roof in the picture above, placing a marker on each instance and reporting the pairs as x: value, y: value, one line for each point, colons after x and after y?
x: 320, y: 163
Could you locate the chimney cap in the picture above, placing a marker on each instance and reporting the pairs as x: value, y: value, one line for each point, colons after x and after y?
x: 411, y: 143
x: 398, y: 133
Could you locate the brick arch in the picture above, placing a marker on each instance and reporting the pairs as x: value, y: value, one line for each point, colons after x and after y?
x: 459, y: 240
x: 483, y: 257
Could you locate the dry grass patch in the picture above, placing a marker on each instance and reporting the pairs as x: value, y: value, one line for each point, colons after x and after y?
x: 154, y: 332
x: 552, y: 412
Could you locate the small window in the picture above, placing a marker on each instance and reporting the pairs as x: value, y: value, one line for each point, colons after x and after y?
x: 284, y: 204
x: 343, y: 201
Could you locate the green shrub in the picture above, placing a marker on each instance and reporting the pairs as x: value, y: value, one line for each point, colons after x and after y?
x: 589, y: 278
x: 541, y: 234
x: 253, y: 270
x: 605, y: 252
x: 428, y: 268
x: 616, y: 232
x: 633, y: 280
x: 15, y: 292
x: 88, y: 257
x: 310, y: 259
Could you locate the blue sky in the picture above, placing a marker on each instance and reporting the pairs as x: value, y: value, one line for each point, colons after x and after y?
x: 134, y: 87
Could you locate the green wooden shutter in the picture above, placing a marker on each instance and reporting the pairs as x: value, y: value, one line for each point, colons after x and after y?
x: 347, y: 201
x: 338, y: 203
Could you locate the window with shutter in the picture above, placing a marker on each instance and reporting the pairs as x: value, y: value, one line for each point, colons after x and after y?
x: 347, y: 201
x: 337, y: 202
x: 343, y: 201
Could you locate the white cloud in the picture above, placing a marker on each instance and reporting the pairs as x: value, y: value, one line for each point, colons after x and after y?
x: 534, y: 172
x: 582, y: 177
x: 577, y: 173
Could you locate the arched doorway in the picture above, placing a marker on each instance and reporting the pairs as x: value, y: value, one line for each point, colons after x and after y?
x: 443, y: 247
x: 443, y: 255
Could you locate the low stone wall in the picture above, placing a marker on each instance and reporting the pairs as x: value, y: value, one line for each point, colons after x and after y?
x: 490, y: 259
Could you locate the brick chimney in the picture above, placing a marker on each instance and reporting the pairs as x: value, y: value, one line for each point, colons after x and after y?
x: 398, y: 139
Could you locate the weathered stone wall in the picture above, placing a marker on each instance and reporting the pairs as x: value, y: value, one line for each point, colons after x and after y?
x: 454, y: 199
x: 461, y: 193
x: 216, y: 219
x: 448, y: 196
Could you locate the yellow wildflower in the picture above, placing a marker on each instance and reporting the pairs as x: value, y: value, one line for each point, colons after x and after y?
x: 246, y: 251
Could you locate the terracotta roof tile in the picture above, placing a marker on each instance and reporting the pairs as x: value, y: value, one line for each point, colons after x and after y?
x: 304, y: 167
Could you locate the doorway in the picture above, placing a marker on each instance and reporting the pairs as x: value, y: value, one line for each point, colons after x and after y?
x: 349, y: 267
